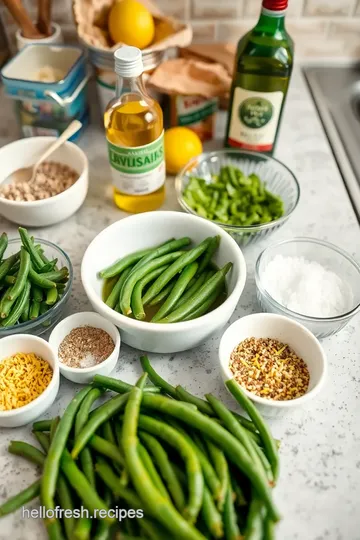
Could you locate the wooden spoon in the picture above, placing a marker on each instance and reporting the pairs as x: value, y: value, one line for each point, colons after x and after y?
x: 27, y: 174
x: 44, y: 17
x: 28, y: 29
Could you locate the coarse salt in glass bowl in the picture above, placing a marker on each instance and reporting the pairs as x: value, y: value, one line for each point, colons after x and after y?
x: 44, y: 322
x: 278, y: 178
x: 331, y: 258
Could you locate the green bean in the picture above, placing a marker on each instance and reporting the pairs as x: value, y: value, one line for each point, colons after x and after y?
x: 57, y: 275
x: 51, y: 296
x: 163, y: 294
x: 102, y: 531
x: 52, y: 462
x: 167, y: 247
x: 9, y: 280
x: 127, y: 290
x: 84, y: 409
x: 82, y: 529
x: 30, y: 248
x: 265, y: 434
x: 125, y: 262
x: 152, y: 472
x: 185, y: 277
x: 25, y: 313
x: 21, y: 278
x: 87, y: 465
x: 54, y: 425
x: 96, y: 419
x: 120, y: 386
x: 43, y: 439
x: 199, y: 281
x: 3, y: 244
x: 264, y: 461
x: 166, y: 469
x: 269, y: 529
x: 34, y: 310
x: 136, y: 298
x: 18, y: 308
x: 238, y: 492
x: 254, y: 522
x: 108, y: 432
x: 156, y: 379
x: 39, y: 280
x: 206, y: 258
x: 43, y: 309
x: 193, y: 466
x: 37, y: 293
x: 106, y: 448
x: 164, y: 512
x: 20, y: 499
x: 199, y: 298
x: 19, y: 448
x: 236, y: 429
x: 211, y: 516
x: 109, y: 478
x: 152, y: 530
x: 49, y: 266
x: 187, y: 258
x: 220, y: 436
x: 7, y: 264
x: 221, y: 468
x: 206, y: 306
x: 64, y: 497
x: 114, y: 295
x: 42, y: 425
x: 81, y: 485
x: 232, y: 531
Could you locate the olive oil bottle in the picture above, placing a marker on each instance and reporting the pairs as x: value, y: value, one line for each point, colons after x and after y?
x: 263, y: 67
x: 134, y: 132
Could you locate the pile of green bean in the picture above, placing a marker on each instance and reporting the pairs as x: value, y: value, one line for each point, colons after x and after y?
x: 196, y: 469
x: 185, y: 284
x: 233, y: 198
x: 30, y: 284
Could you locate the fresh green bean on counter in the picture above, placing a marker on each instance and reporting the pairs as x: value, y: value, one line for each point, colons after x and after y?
x: 30, y: 284
x: 167, y: 284
x: 232, y: 198
x: 189, y: 469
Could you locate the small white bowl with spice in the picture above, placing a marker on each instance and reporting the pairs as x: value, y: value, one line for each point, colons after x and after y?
x: 86, y: 344
x: 276, y: 361
x: 58, y: 189
x: 29, y: 379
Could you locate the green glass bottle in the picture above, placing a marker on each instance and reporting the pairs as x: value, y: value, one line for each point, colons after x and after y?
x: 263, y: 67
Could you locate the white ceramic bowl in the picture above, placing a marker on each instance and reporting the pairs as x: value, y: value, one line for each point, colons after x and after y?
x: 24, y: 153
x: 300, y: 339
x: 55, y: 38
x: 30, y: 344
x: 85, y: 375
x: 150, y: 229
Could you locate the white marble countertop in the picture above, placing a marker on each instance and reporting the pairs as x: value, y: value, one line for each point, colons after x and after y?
x: 319, y: 486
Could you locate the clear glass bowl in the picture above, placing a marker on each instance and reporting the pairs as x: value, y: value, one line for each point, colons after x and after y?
x: 278, y: 178
x: 46, y: 321
x: 329, y: 256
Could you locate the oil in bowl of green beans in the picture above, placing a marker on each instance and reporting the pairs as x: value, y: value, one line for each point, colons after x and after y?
x: 35, y: 284
x: 248, y: 194
x: 171, y: 282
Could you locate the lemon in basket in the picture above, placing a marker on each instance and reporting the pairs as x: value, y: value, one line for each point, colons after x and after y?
x: 181, y: 144
x: 131, y: 23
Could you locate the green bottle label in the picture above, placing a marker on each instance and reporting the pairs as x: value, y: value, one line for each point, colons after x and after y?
x: 139, y: 170
x: 256, y: 112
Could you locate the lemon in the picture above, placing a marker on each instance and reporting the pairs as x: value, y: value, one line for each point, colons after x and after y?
x: 181, y: 144
x: 131, y: 23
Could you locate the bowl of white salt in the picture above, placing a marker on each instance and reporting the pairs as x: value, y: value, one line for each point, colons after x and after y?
x: 311, y: 281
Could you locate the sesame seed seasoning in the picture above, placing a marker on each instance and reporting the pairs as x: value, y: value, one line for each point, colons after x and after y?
x: 269, y: 369
x: 85, y: 347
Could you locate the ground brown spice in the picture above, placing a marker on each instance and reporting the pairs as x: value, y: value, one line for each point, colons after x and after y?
x: 270, y: 369
x: 85, y: 347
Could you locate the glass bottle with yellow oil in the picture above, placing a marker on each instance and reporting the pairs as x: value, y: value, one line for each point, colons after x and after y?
x: 135, y: 133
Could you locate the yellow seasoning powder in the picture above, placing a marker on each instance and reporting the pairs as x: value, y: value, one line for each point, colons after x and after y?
x: 23, y: 377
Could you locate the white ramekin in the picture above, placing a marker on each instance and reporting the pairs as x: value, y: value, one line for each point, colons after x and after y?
x: 299, y: 338
x: 55, y: 38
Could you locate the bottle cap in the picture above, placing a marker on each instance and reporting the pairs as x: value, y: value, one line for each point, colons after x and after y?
x: 275, y: 5
x: 128, y: 61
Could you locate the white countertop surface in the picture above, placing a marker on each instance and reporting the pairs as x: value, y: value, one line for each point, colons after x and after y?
x: 319, y: 488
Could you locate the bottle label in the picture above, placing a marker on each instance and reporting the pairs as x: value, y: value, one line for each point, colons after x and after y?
x: 139, y: 170
x: 254, y: 119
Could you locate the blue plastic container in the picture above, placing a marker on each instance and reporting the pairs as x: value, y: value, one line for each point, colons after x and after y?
x: 47, y: 108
